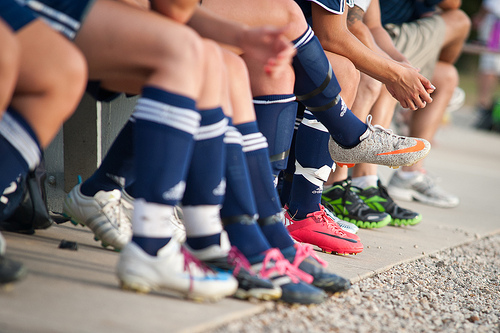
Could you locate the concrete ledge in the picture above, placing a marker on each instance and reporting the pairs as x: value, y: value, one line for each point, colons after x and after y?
x: 76, y: 291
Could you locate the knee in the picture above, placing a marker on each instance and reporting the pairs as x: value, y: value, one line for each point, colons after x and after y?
x: 72, y: 80
x: 446, y: 74
x: 369, y: 87
x: 289, y: 14
x: 460, y: 23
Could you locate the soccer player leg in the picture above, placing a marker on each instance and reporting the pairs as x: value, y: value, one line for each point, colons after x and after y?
x: 317, y: 88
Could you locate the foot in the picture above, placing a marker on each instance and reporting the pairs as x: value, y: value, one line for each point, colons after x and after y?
x: 421, y: 188
x: 377, y: 198
x: 303, y: 257
x: 106, y: 214
x: 320, y: 230
x: 295, y: 284
x: 344, y: 201
x: 174, y: 270
x: 223, y: 257
x: 11, y: 270
x: 381, y: 146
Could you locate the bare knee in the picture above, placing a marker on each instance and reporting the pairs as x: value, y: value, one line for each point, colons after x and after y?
x: 458, y: 24
x: 9, y: 67
x: 445, y: 76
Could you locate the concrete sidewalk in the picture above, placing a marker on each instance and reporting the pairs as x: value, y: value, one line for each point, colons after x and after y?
x: 76, y: 291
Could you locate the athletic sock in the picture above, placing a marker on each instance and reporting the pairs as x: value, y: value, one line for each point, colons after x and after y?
x: 313, y: 166
x: 20, y: 153
x: 257, y: 156
x: 268, y: 203
x: 275, y: 118
x: 287, y: 179
x: 205, y: 184
x: 117, y: 166
x: 239, y: 210
x: 320, y: 92
x: 163, y: 145
x: 365, y: 181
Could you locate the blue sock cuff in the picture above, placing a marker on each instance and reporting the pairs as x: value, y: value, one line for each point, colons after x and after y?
x: 248, y: 128
x: 27, y: 127
x: 161, y: 95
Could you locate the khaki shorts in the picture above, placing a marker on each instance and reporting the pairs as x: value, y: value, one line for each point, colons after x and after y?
x: 420, y: 41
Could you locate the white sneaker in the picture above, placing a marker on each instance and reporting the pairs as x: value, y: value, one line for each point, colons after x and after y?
x: 421, y: 188
x: 380, y: 146
x: 173, y: 270
x: 106, y: 214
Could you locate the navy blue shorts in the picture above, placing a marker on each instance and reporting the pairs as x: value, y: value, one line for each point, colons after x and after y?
x: 14, y: 14
x: 333, y: 6
x: 65, y: 16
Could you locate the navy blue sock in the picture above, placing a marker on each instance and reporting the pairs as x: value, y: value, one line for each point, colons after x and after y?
x: 311, y: 149
x: 275, y: 118
x: 319, y: 92
x: 150, y: 245
x: 275, y: 232
x: 20, y: 152
x: 163, y: 143
x: 255, y: 148
x: 117, y: 166
x: 239, y: 210
x: 205, y: 184
x: 286, y: 187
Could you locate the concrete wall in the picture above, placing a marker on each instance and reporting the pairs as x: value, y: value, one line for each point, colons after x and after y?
x: 81, y: 145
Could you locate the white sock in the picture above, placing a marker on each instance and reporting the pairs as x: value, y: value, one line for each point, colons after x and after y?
x: 408, y: 174
x: 365, y: 181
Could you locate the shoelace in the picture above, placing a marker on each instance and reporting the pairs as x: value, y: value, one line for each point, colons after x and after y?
x: 377, y: 129
x: 306, y: 250
x: 354, y: 198
x: 115, y: 214
x: 239, y: 261
x: 191, y: 259
x: 274, y: 258
x: 329, y: 223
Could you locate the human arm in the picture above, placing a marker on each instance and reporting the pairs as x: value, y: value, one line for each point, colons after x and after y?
x: 404, y: 83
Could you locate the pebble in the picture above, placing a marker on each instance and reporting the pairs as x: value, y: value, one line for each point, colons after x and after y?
x: 456, y: 290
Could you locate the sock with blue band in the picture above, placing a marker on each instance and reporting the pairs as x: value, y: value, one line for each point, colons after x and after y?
x: 319, y: 92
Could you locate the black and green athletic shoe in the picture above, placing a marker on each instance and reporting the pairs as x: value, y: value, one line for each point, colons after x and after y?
x: 378, y: 199
x: 343, y: 199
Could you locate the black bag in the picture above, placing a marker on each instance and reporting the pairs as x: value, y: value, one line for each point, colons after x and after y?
x: 32, y: 212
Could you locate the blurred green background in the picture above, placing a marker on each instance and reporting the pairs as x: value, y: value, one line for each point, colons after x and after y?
x: 467, y: 64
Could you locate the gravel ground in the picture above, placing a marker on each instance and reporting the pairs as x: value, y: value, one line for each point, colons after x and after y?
x: 457, y: 290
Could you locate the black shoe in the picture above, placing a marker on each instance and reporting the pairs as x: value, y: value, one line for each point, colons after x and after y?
x: 11, y: 270
x: 485, y: 119
x: 303, y: 257
x: 249, y: 284
x: 378, y: 199
x: 344, y: 201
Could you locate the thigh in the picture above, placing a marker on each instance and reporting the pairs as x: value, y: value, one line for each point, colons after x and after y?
x: 262, y: 12
x: 420, y: 41
x: 124, y: 44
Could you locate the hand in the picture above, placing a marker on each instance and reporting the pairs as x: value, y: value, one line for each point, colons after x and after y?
x: 412, y: 89
x: 268, y: 46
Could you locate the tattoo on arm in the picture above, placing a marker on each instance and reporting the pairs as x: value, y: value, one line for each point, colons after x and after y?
x: 354, y: 14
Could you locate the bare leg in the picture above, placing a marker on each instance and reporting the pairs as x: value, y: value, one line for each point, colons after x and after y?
x: 50, y: 83
x: 486, y: 85
x: 457, y: 30
x: 9, y: 65
x: 171, y: 60
x: 425, y: 122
